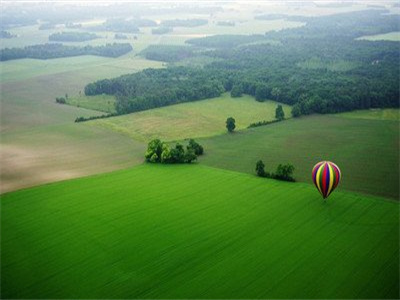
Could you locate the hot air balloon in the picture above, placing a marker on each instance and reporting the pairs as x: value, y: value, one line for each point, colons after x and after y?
x: 326, y: 176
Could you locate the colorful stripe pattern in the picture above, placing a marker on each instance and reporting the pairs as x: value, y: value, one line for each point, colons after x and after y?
x: 326, y: 176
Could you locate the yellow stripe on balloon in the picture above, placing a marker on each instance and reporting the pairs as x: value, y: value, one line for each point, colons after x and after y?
x: 317, y: 177
x: 331, y: 180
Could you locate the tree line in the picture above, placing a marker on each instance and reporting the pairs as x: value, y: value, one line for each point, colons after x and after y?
x: 168, y: 53
x: 47, y: 51
x: 283, y: 171
x: 153, y: 88
x: 125, y: 25
x: 72, y: 36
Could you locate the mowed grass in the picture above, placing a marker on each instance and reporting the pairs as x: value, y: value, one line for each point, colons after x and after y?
x: 190, y: 120
x: 367, y: 151
x: 189, y: 231
x: 390, y: 36
x: 105, y: 103
x: 391, y: 114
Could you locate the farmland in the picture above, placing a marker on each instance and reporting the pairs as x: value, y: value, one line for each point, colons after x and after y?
x: 157, y: 232
x: 190, y: 120
x: 374, y: 114
x: 83, y: 216
x: 103, y: 102
x: 366, y: 150
x: 391, y: 36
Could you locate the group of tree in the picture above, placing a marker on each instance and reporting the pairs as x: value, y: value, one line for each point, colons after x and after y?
x: 270, y: 67
x: 161, y: 152
x: 153, y: 88
x: 184, y: 23
x: 61, y: 100
x: 69, y: 36
x: 47, y: 51
x: 120, y: 36
x: 125, y: 25
x: 167, y: 53
x: 6, y: 35
x: 283, y: 172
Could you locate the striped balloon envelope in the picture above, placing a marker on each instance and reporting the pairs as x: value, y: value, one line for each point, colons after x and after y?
x: 326, y: 176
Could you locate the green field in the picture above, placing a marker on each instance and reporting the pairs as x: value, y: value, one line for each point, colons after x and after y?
x: 105, y: 103
x: 390, y: 36
x: 389, y: 114
x: 190, y: 120
x: 367, y: 151
x: 191, y: 231
x: 335, y: 66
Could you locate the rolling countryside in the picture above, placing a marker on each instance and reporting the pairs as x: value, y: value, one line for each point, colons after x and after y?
x: 167, y: 150
x: 197, y: 232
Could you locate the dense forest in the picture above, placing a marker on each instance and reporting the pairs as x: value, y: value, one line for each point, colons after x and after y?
x: 47, y: 51
x: 318, y: 68
x: 226, y: 41
x: 158, y: 87
x: 72, y: 36
x: 168, y: 53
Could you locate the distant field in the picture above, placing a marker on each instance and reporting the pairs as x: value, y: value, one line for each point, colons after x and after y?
x: 336, y: 66
x: 56, y: 152
x: 374, y: 114
x: 391, y: 36
x: 97, y: 67
x: 194, y: 119
x: 105, y: 103
x: 188, y: 231
x: 367, y: 151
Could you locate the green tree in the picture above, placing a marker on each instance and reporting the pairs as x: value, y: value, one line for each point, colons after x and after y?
x: 236, y: 91
x: 154, y: 158
x: 178, y: 154
x: 230, y: 124
x: 279, y: 113
x: 197, y: 148
x: 166, y: 154
x: 260, y: 168
x: 262, y: 92
x: 276, y: 92
x: 190, y: 156
x: 154, y: 150
x: 284, y: 172
x: 296, y: 112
